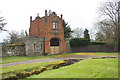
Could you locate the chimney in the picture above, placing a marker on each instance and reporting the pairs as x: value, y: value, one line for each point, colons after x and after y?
x: 37, y: 14
x: 45, y: 12
x: 61, y: 16
x: 30, y: 18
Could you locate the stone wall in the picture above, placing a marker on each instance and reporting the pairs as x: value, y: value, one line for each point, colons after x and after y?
x: 68, y: 48
x: 13, y: 50
x: 28, y: 46
x: 95, y: 48
x: 34, y: 46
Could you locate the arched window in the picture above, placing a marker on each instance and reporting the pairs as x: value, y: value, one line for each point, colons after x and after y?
x: 54, y: 42
x: 55, y: 25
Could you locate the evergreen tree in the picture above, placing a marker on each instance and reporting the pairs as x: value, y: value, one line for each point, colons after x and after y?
x: 86, y: 35
x: 67, y: 29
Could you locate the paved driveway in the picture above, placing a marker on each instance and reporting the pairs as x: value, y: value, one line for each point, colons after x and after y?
x: 50, y: 59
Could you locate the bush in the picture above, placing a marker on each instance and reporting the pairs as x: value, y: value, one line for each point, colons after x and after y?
x: 98, y: 43
x: 35, y: 71
x: 43, y: 69
x: 57, y: 65
x: 75, y: 42
x: 23, y: 74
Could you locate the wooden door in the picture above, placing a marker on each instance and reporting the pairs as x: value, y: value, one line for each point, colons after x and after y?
x: 54, y: 49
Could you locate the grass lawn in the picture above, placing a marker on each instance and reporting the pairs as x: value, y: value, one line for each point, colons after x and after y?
x: 102, y: 53
x: 6, y: 60
x: 21, y: 58
x: 97, y: 53
x: 89, y: 68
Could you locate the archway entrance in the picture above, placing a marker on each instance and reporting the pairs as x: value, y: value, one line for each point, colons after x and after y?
x: 54, y: 46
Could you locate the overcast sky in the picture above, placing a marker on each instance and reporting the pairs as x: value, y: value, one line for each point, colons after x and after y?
x: 78, y: 13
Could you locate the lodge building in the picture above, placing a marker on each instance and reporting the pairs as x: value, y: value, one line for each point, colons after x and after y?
x: 49, y: 27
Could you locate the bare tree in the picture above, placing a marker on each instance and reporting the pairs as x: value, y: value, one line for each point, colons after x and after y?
x: 109, y: 20
x: 77, y: 32
x: 14, y: 36
x: 2, y: 24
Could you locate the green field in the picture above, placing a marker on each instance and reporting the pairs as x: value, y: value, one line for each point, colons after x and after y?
x: 90, y: 68
x: 102, y: 53
x: 6, y: 60
x: 21, y: 58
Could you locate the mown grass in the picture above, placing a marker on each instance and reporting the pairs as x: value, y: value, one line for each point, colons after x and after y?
x: 97, y: 53
x: 21, y: 58
x: 90, y: 68
x: 103, y: 53
x: 11, y: 59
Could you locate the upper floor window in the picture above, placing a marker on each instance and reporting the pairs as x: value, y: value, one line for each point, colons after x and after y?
x: 55, y: 25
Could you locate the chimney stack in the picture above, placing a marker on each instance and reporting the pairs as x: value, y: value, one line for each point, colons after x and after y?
x: 37, y: 14
x: 45, y: 12
x: 30, y: 18
x: 61, y: 16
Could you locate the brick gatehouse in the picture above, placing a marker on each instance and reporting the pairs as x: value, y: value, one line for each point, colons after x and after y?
x: 49, y: 27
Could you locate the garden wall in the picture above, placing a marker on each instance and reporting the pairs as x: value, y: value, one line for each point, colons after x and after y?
x: 28, y: 46
x: 95, y: 48
x: 13, y: 50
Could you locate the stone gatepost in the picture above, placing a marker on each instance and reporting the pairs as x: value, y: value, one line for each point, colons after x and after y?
x: 0, y: 50
x: 68, y: 47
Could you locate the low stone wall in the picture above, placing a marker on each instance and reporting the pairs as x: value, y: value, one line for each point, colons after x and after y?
x: 95, y: 48
x: 13, y: 50
x: 28, y: 46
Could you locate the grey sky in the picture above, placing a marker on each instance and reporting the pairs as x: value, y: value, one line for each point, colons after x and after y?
x: 78, y: 13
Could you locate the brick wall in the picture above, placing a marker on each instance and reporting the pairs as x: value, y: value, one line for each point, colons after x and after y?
x: 95, y: 48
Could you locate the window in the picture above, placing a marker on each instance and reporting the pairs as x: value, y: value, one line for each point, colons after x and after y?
x: 55, y: 25
x: 34, y: 46
x: 41, y: 46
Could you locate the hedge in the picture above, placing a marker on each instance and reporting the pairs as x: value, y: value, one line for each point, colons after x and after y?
x: 75, y: 42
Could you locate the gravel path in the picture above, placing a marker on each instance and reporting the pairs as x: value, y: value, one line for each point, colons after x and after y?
x: 50, y: 59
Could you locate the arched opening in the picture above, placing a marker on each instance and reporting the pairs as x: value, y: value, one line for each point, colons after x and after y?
x: 54, y: 45
x: 54, y: 42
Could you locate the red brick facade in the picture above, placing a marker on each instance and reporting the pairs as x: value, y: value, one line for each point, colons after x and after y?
x: 48, y: 27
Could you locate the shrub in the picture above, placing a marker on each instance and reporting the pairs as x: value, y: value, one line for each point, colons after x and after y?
x: 56, y: 65
x: 75, y: 42
x: 23, y: 74
x: 35, y: 71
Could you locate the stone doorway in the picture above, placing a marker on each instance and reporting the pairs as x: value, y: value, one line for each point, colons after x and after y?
x: 54, y: 46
